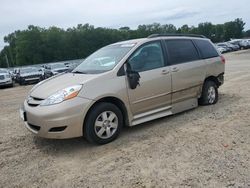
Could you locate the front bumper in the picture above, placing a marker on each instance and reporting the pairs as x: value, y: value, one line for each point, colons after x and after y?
x: 6, y: 82
x: 30, y: 79
x: 59, y: 121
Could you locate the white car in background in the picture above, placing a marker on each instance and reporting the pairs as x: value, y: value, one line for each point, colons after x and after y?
x: 5, y: 78
x: 243, y: 44
x: 221, y: 49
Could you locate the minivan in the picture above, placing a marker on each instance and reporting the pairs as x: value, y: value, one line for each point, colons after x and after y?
x: 125, y: 84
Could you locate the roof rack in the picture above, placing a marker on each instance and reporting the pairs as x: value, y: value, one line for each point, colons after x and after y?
x: 175, y: 35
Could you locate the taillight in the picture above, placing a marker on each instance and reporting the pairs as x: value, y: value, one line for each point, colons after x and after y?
x: 223, y: 60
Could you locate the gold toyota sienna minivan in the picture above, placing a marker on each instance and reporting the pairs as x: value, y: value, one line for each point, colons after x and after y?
x: 125, y: 84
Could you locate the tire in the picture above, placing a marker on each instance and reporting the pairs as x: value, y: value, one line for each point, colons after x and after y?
x: 209, y: 93
x: 22, y: 82
x: 11, y: 85
x: 40, y: 79
x: 98, y: 127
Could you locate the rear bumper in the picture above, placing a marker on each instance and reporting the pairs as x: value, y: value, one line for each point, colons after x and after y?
x: 220, y: 79
x: 64, y: 120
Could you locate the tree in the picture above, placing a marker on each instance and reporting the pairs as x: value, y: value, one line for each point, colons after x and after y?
x: 40, y: 45
x: 247, y: 34
x: 233, y: 29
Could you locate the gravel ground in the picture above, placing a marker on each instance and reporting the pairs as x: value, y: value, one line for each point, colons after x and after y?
x: 204, y: 147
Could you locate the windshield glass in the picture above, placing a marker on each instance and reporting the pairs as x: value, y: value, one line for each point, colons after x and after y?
x: 28, y: 70
x: 104, y: 59
x: 3, y: 71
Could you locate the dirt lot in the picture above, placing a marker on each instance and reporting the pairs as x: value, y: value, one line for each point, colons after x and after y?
x: 205, y: 147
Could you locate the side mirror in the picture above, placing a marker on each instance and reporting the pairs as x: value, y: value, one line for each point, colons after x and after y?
x: 133, y: 77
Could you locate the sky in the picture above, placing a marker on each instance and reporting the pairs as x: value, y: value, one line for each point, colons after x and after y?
x: 18, y: 14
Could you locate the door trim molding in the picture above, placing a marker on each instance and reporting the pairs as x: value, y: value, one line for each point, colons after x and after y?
x: 152, y: 97
x: 198, y: 85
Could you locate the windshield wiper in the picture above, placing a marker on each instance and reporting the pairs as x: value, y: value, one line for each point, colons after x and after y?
x: 79, y: 72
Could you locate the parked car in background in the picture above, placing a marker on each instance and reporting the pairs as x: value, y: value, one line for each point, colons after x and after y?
x: 234, y: 47
x: 225, y: 46
x: 72, y: 66
x: 54, y: 69
x: 126, y: 84
x: 40, y: 69
x: 243, y: 44
x: 28, y: 75
x: 221, y: 49
x: 248, y: 41
x: 11, y: 71
x: 14, y: 74
x: 6, y: 78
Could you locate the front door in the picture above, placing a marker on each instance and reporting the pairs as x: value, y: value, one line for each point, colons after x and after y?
x: 154, y: 89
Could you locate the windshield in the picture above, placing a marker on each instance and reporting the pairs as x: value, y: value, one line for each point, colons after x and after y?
x: 28, y: 70
x: 3, y: 71
x: 104, y: 59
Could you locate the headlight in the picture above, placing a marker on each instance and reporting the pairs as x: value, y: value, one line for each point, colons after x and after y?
x: 62, y: 95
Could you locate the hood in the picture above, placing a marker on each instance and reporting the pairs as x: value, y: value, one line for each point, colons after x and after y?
x: 57, y: 69
x: 49, y: 86
x: 30, y: 74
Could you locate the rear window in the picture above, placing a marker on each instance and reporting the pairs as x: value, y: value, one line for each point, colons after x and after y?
x: 181, y: 51
x: 206, y: 48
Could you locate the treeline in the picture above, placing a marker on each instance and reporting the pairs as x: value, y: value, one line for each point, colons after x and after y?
x: 39, y: 45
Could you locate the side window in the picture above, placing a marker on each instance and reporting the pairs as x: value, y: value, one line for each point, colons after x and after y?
x: 147, y: 57
x: 206, y: 48
x: 181, y: 51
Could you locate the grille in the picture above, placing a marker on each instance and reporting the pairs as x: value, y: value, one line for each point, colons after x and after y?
x: 34, y: 127
x: 1, y: 77
x: 32, y: 76
x: 34, y: 101
x: 37, y: 99
x: 60, y: 71
x: 57, y: 129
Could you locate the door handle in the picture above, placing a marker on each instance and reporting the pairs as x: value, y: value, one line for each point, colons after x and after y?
x: 164, y: 72
x: 175, y: 69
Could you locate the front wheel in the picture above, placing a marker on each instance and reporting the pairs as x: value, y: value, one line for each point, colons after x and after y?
x: 22, y: 82
x: 209, y: 93
x: 103, y: 123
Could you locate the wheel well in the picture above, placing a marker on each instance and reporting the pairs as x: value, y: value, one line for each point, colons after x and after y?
x: 116, y: 102
x: 214, y: 79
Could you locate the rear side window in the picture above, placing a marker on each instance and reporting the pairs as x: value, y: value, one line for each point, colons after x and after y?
x: 181, y: 51
x: 206, y: 49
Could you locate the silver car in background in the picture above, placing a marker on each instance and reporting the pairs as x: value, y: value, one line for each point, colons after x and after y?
x: 5, y: 78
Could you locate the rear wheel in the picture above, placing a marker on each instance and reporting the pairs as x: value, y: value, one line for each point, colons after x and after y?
x: 103, y: 123
x: 209, y: 93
